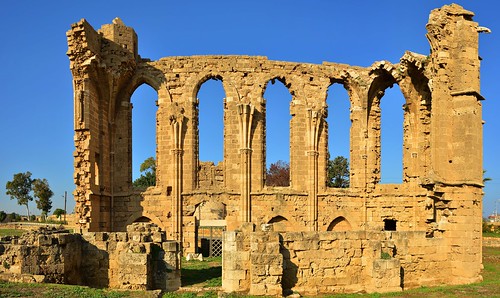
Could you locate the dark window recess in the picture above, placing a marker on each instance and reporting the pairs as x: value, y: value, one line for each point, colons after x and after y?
x: 389, y: 225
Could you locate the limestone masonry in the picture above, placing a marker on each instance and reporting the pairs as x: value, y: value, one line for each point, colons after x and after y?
x: 139, y: 259
x: 306, y: 237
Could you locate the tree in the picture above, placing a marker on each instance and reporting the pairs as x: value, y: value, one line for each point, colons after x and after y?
x: 43, y: 193
x: 338, y: 172
x: 20, y: 189
x: 59, y: 212
x: 148, y: 176
x: 278, y: 174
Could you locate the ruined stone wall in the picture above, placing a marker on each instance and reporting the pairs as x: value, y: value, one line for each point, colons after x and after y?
x: 41, y: 257
x: 441, y: 190
x: 311, y: 263
x: 210, y: 176
x: 139, y: 259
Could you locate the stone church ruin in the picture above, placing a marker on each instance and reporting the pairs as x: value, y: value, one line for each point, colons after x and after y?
x: 307, y: 237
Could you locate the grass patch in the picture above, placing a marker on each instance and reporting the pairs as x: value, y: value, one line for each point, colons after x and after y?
x: 203, y: 276
x: 491, y: 234
x: 206, y: 273
x: 11, y: 232
x: 61, y: 291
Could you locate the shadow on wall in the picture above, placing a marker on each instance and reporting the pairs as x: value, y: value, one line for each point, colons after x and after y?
x: 95, y: 266
x: 290, y: 269
x: 280, y: 224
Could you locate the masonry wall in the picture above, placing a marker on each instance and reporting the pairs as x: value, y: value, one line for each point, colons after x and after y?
x: 441, y: 190
x: 311, y: 263
x: 139, y: 259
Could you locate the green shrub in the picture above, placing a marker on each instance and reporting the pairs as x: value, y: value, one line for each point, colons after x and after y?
x: 385, y: 256
x: 490, y: 229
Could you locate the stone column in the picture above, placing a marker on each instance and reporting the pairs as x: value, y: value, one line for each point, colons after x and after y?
x: 177, y: 122
x: 245, y: 113
x: 313, y: 121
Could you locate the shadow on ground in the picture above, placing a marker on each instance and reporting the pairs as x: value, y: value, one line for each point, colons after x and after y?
x: 191, y: 277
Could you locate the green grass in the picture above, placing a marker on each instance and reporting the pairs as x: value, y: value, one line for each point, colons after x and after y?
x: 206, y: 273
x: 200, y: 275
x: 491, y: 234
x: 60, y: 291
x: 11, y: 232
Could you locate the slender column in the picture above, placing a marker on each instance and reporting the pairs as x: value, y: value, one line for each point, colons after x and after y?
x: 177, y: 121
x: 313, y: 123
x: 245, y: 112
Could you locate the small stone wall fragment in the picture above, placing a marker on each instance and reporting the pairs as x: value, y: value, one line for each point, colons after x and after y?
x: 140, y: 259
x: 491, y: 241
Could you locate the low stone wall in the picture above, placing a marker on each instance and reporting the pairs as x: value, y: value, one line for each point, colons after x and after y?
x: 310, y: 263
x: 491, y: 241
x: 139, y: 259
x: 42, y: 256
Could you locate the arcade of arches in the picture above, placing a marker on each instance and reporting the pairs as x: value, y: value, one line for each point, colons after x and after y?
x: 441, y: 191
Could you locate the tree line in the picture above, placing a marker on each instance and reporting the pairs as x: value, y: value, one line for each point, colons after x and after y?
x: 25, y: 189
x: 278, y: 173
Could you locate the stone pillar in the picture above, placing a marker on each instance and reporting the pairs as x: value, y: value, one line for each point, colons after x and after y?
x: 456, y: 137
x: 245, y: 113
x: 236, y: 261
x: 358, y: 137
x: 313, y: 122
x: 456, y: 125
x: 266, y: 264
x: 177, y: 121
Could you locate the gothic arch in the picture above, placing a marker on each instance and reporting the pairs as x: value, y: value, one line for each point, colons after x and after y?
x: 198, y: 199
x: 339, y: 224
x: 198, y: 81
x: 141, y: 214
x: 280, y: 224
x: 272, y: 78
x: 125, y: 94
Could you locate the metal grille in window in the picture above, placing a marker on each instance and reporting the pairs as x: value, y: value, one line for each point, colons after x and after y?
x: 210, y: 241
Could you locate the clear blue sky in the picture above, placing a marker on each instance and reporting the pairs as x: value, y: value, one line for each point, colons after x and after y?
x: 36, y: 111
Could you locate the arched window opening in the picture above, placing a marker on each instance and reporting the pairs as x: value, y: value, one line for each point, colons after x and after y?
x: 277, y: 98
x: 339, y: 224
x: 339, y: 126
x: 211, y: 121
x: 144, y: 103
x: 391, y: 128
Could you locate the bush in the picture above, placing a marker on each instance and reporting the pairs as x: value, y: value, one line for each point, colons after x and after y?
x: 491, y: 229
x: 12, y: 217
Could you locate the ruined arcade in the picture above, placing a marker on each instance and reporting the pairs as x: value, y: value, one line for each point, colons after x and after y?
x: 321, y: 239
